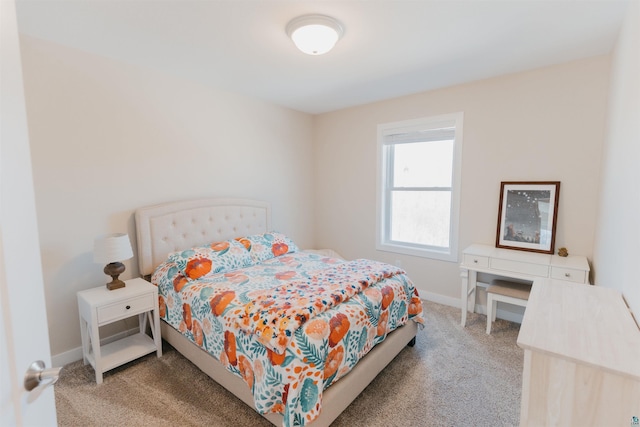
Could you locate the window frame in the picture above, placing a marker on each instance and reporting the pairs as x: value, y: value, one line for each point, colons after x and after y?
x: 383, y: 191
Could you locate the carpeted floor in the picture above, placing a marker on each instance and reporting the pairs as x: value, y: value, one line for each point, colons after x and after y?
x: 452, y: 377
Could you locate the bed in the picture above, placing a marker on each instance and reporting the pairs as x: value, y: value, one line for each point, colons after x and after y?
x: 172, y: 235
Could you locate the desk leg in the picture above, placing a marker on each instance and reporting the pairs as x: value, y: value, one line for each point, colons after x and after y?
x: 468, y: 287
x: 473, y: 282
x: 464, y: 275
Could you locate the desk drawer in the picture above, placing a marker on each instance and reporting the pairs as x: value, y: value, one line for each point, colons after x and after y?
x: 568, y: 274
x: 126, y: 308
x: 476, y: 261
x: 520, y: 267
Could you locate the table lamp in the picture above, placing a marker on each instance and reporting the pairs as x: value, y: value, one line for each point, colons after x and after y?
x: 112, y: 249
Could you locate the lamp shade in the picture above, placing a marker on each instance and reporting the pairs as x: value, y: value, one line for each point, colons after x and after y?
x: 112, y: 248
x: 314, y: 34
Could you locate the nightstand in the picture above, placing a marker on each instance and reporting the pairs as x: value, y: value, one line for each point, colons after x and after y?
x: 100, y: 306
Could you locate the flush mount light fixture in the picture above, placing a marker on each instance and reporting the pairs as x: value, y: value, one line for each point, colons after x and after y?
x: 314, y: 34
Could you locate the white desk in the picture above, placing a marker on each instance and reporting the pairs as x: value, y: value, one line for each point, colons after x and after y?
x: 581, y: 357
x: 516, y: 265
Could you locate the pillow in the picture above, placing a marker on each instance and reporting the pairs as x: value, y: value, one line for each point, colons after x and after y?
x: 265, y: 246
x: 217, y: 257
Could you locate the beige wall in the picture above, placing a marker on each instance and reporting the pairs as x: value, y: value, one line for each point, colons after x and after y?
x: 545, y: 124
x: 107, y: 137
x: 617, y: 246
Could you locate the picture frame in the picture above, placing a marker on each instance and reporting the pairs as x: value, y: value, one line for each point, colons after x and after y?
x: 527, y: 216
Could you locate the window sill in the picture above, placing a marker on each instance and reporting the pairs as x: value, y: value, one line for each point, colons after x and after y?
x: 424, y: 253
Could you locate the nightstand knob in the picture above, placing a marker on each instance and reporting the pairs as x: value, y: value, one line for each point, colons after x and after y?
x: 567, y: 274
x: 128, y: 307
x: 475, y: 261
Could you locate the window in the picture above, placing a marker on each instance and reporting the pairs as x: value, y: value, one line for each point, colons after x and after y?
x: 419, y: 165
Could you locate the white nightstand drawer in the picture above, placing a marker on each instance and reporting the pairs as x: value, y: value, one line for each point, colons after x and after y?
x: 568, y: 274
x: 130, y: 307
x: 476, y: 261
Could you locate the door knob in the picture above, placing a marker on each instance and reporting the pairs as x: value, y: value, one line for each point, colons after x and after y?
x: 37, y: 374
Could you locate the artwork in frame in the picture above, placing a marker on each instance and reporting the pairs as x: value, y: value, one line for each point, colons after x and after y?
x: 527, y: 216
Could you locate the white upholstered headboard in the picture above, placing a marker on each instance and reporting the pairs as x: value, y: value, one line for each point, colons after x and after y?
x: 170, y: 227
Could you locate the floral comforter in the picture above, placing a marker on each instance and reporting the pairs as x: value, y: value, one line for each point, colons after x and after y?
x: 267, y: 322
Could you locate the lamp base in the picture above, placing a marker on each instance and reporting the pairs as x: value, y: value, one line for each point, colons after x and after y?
x: 114, y: 270
x: 115, y: 284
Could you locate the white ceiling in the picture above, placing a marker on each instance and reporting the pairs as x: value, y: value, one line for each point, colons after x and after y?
x: 390, y: 47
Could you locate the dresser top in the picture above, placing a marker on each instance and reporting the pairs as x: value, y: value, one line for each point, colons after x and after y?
x: 585, y: 324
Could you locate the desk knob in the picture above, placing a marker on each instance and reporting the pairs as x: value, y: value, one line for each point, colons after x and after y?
x: 567, y: 274
x: 128, y: 307
x: 475, y: 261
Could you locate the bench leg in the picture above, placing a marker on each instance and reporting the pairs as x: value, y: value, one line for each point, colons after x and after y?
x: 491, y: 312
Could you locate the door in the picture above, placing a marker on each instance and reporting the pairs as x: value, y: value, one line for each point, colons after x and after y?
x: 24, y: 336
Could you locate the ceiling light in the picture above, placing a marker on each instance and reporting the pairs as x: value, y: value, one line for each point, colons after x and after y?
x: 314, y: 34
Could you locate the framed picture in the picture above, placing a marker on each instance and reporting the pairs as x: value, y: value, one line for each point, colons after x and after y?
x: 527, y: 216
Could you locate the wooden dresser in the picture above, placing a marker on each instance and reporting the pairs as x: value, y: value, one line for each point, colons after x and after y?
x: 581, y: 357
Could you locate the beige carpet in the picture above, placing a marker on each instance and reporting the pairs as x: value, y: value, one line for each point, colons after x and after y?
x: 452, y: 377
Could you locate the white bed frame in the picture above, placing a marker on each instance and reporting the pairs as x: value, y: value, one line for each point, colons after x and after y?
x: 166, y: 228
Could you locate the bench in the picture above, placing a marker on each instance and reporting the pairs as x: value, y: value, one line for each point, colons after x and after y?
x: 505, y: 291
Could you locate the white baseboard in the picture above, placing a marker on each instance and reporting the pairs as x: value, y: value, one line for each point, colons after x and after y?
x: 72, y: 355
x: 482, y: 309
x: 501, y: 314
x: 67, y: 357
x: 440, y: 299
x: 75, y: 354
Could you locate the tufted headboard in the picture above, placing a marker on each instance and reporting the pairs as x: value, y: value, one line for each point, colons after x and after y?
x: 170, y: 227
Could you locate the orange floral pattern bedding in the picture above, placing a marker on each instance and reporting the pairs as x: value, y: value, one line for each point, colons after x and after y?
x: 296, y: 353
